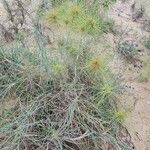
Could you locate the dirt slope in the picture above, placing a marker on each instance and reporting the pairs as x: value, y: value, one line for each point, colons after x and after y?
x: 136, y: 98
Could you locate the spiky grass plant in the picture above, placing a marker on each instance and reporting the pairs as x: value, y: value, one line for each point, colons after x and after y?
x: 120, y: 116
x: 53, y: 112
x: 96, y: 64
x: 66, y: 96
x: 89, y: 24
x: 77, y: 18
x: 105, y: 88
x: 53, y: 16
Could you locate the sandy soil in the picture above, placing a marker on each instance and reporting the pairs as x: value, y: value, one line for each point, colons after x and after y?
x: 136, y: 98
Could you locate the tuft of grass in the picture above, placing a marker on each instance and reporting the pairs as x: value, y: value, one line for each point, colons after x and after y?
x: 53, y: 16
x: 89, y: 24
x: 66, y: 95
x: 75, y: 11
x: 77, y: 18
x: 120, y: 116
x: 96, y: 64
x: 107, y: 90
x: 54, y: 110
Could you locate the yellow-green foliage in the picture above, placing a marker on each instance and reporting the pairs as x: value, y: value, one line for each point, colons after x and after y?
x: 53, y: 16
x: 76, y: 17
x: 120, y: 116
x: 107, y: 89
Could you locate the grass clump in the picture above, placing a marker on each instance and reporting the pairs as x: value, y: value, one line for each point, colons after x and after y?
x: 89, y: 24
x: 56, y: 110
x: 107, y: 90
x: 120, y: 116
x: 96, y: 64
x: 76, y: 17
x: 66, y: 95
x: 53, y: 16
